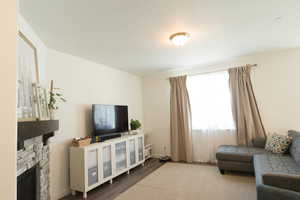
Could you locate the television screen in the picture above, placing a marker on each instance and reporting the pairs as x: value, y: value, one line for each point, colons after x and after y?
x: 109, y: 119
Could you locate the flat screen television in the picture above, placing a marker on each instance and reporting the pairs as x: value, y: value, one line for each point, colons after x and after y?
x: 109, y: 121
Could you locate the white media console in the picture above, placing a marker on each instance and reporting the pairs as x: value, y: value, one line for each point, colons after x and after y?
x: 95, y: 164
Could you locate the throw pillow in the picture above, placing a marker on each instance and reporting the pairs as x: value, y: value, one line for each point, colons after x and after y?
x: 278, y: 143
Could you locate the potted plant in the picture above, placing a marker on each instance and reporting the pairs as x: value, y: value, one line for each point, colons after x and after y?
x: 54, y: 98
x: 135, y: 124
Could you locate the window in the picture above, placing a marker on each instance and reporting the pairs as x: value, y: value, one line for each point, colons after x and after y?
x: 210, y: 101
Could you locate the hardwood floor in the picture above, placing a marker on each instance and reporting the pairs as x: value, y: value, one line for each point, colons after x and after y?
x: 120, y: 184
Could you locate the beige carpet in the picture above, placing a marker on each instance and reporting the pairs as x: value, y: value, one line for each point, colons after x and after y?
x: 176, y: 181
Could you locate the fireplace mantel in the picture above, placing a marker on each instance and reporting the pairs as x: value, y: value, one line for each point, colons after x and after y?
x: 31, y: 129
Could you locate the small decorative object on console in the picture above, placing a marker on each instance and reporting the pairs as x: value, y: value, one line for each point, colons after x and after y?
x: 97, y: 139
x: 277, y: 143
x: 135, y: 124
x: 81, y: 142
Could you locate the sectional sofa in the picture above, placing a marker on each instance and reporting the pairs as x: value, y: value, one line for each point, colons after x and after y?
x: 277, y: 175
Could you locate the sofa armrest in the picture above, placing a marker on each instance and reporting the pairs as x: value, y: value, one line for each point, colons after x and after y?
x: 259, y: 142
x: 285, y: 181
x: 266, y: 192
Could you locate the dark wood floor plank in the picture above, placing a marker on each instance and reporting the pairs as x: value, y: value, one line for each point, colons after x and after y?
x: 120, y: 184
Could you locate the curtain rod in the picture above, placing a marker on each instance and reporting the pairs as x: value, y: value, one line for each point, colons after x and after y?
x: 217, y: 70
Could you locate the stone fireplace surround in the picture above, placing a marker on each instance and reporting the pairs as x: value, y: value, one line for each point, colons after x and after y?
x: 35, y: 153
x: 33, y: 158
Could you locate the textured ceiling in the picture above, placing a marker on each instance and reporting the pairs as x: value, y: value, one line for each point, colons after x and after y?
x: 132, y: 35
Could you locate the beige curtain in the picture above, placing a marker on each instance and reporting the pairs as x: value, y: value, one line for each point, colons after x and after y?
x: 181, y: 130
x: 244, y: 107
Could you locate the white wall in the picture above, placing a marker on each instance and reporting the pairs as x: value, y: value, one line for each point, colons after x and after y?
x: 84, y: 83
x: 276, y: 84
x: 8, y: 142
x: 156, y: 101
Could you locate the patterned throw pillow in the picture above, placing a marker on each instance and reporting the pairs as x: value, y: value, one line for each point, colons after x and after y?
x: 278, y: 143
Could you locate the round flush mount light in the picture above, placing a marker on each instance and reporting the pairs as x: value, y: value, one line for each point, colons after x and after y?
x: 179, y: 39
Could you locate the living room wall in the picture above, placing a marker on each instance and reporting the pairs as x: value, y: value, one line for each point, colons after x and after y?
x: 8, y: 131
x: 83, y: 83
x: 276, y: 85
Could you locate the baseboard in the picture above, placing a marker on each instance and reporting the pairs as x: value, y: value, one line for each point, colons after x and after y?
x: 158, y: 155
x: 62, y: 195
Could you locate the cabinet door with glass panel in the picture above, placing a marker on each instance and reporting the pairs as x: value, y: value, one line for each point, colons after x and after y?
x: 92, y: 163
x: 132, y: 152
x: 120, y: 157
x: 140, y: 144
x: 106, y: 160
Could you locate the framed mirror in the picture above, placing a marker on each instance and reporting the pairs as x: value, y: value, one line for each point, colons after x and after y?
x: 27, y: 75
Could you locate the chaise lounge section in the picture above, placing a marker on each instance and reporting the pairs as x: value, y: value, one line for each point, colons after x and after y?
x: 277, y: 175
x: 238, y: 158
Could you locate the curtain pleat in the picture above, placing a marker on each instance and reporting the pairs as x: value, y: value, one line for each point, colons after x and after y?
x: 180, y: 116
x: 244, y: 106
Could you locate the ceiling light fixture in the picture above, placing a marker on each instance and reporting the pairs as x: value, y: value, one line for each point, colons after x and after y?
x: 179, y: 39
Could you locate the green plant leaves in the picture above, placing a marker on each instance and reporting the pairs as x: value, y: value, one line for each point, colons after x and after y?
x: 135, y: 124
x: 54, y: 97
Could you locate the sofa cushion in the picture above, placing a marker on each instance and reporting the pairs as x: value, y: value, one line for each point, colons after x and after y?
x: 277, y: 143
x: 293, y: 133
x: 259, y: 142
x: 274, y: 163
x: 237, y: 153
x: 295, y: 146
x: 285, y: 181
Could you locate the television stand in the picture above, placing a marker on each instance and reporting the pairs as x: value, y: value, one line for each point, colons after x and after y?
x: 97, y: 163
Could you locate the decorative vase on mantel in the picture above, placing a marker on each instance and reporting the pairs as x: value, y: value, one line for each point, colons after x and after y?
x: 54, y: 97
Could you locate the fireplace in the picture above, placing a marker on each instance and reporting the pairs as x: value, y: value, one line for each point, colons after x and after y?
x: 33, y: 159
x: 33, y: 164
x: 27, y: 185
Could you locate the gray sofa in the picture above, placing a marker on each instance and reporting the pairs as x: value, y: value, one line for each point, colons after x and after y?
x: 277, y: 175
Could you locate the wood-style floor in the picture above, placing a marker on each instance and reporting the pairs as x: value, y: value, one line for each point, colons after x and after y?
x: 120, y: 184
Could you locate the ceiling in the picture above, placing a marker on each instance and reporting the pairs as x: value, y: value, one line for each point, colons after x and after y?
x: 132, y: 35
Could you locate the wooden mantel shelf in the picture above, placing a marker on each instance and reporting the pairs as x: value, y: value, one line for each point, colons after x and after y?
x: 31, y: 129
